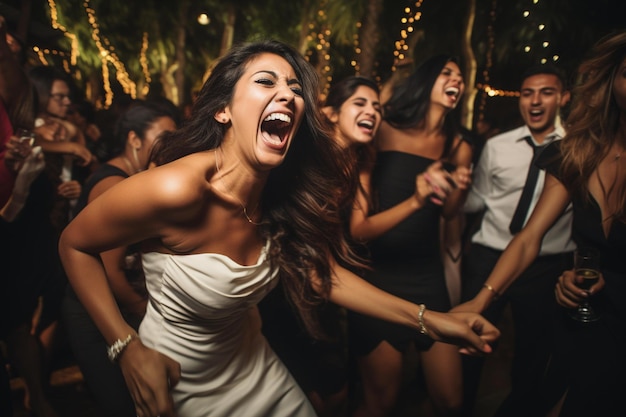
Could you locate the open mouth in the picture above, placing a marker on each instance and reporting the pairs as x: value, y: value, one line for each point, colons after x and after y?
x: 366, y: 124
x: 452, y: 92
x: 275, y: 128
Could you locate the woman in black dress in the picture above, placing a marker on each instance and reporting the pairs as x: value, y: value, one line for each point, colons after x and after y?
x: 588, y: 169
x: 398, y: 214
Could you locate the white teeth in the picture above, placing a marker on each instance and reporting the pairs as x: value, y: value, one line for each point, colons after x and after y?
x: 366, y: 123
x: 452, y: 91
x: 278, y: 116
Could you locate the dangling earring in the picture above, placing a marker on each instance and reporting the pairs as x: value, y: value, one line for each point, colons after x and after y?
x: 136, y: 157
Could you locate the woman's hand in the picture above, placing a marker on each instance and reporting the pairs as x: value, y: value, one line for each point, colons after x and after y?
x: 568, y: 292
x: 16, y: 153
x: 69, y: 189
x: 83, y: 154
x: 149, y: 376
x: 435, y: 183
x: 48, y: 129
x: 462, y: 177
x: 472, y: 332
x: 470, y: 306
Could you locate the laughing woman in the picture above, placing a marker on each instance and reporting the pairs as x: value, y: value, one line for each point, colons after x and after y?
x: 242, y: 195
x: 404, y: 195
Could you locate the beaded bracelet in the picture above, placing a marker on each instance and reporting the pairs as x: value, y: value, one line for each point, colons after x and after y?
x: 496, y: 294
x: 420, y: 320
x: 115, y: 350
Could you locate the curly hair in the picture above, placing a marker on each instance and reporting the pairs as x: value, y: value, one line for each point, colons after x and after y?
x: 302, y: 197
x: 593, y: 121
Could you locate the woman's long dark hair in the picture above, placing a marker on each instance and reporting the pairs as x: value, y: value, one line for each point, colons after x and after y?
x: 338, y: 94
x: 410, y: 100
x: 138, y: 118
x: 303, y: 195
x: 358, y: 157
x: 594, y: 119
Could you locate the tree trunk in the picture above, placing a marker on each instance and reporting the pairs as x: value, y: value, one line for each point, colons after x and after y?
x: 179, y: 75
x: 230, y: 16
x: 467, y: 111
x: 369, y: 36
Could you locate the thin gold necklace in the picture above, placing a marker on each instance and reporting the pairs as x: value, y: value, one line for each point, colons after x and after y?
x: 229, y: 192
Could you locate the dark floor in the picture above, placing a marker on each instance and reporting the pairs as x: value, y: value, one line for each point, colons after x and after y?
x: 71, y: 398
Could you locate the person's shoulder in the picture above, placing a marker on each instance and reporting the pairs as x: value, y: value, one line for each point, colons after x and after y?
x: 178, y: 183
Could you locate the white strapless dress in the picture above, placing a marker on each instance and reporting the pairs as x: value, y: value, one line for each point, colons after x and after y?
x: 202, y: 313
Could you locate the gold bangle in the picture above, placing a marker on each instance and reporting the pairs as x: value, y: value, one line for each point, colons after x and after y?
x: 420, y: 320
x: 493, y: 290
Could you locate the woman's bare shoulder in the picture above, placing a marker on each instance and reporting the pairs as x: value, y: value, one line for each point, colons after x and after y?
x: 179, y: 183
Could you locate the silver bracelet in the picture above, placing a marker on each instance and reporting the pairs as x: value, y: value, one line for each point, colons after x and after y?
x: 115, y: 350
x: 420, y: 320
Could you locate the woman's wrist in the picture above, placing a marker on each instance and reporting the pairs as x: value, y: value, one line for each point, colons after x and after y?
x: 495, y: 293
x: 421, y: 323
x: 119, y: 346
x: 485, y: 297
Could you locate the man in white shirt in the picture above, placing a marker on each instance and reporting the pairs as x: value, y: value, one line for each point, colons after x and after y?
x: 500, y: 177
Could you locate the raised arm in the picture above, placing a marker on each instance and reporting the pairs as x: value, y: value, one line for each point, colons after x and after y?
x: 470, y: 331
x: 524, y: 247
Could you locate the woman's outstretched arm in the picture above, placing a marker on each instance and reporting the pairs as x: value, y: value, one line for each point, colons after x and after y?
x: 524, y: 247
x: 471, y: 332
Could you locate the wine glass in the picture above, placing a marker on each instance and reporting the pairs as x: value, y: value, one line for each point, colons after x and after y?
x: 25, y: 135
x: 587, y: 266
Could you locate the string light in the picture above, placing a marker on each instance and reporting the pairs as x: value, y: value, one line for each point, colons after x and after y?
x: 41, y: 53
x: 357, y: 50
x: 493, y: 92
x: 143, y: 61
x: 108, y: 55
x: 542, y: 45
x: 54, y: 18
x: 408, y: 21
x: 320, y: 39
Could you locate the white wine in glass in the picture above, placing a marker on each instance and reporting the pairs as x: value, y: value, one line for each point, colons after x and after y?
x: 587, y: 266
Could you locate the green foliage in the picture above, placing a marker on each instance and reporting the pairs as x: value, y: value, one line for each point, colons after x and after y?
x: 573, y: 27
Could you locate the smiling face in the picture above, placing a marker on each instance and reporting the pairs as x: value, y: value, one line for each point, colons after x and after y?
x: 448, y: 87
x: 266, y: 109
x: 541, y: 97
x: 358, y: 118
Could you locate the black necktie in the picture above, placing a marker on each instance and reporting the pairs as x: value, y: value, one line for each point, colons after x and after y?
x: 527, y: 193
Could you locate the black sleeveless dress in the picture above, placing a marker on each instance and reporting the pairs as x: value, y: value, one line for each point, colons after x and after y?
x: 589, y: 360
x: 406, y: 260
